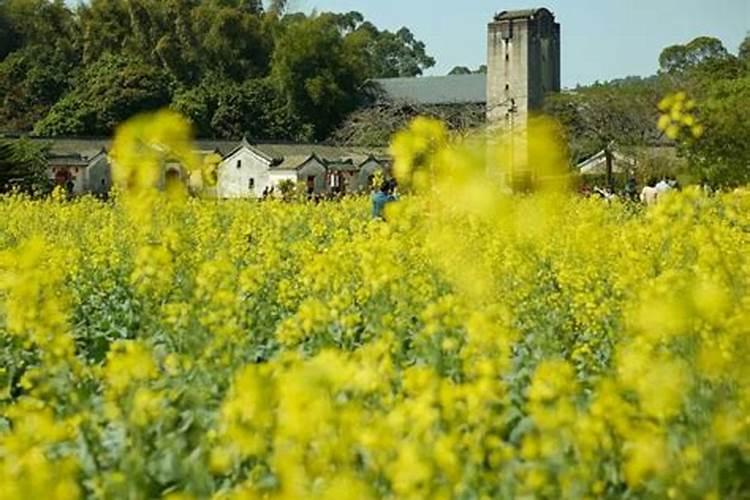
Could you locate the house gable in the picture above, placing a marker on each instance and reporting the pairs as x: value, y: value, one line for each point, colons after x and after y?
x: 597, y: 164
x: 367, y: 170
x: 244, y: 172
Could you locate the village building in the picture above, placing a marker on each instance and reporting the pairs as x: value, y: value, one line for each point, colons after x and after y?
x: 245, y: 170
x: 79, y: 167
x: 523, y: 64
x: 250, y: 170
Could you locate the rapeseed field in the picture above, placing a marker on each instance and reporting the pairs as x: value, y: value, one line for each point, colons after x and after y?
x: 475, y: 345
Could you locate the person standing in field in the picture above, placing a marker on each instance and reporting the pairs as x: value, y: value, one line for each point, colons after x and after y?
x: 631, y: 189
x: 663, y: 186
x: 649, y: 194
x: 381, y: 198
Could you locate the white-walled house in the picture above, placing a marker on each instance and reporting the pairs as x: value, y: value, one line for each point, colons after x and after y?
x: 245, y: 172
x: 80, y: 174
x: 250, y: 170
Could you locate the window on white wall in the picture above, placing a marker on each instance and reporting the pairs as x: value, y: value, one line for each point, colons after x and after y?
x: 239, y: 163
x: 251, y: 183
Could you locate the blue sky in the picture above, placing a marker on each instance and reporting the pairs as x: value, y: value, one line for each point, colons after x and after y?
x: 602, y: 39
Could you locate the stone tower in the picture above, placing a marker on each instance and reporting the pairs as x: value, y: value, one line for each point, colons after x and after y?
x: 523, y: 64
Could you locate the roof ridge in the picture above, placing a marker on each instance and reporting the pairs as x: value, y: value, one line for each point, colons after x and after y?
x: 426, y: 77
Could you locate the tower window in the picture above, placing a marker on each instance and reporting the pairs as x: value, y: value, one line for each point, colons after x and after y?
x: 506, y: 31
x: 507, y: 86
x: 239, y: 163
x: 507, y: 57
x: 251, y: 183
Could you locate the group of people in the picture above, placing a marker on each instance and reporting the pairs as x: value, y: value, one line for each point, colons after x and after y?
x: 649, y: 195
x: 268, y: 192
x: 653, y: 190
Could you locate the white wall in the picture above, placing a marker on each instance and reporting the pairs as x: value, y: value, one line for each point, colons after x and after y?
x: 235, y: 172
x: 279, y: 176
x: 77, y: 175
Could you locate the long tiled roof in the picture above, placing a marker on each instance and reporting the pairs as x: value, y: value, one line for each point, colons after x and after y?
x: 452, y: 89
x: 89, y: 147
x: 293, y: 155
x: 284, y: 156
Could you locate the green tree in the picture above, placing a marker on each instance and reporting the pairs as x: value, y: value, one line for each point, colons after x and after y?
x: 703, y: 55
x: 744, y: 53
x: 9, y: 38
x: 75, y: 72
x: 23, y: 165
x: 32, y: 80
x: 256, y: 110
x: 233, y: 42
x: 227, y: 109
x: 105, y: 27
x: 317, y: 73
x: 722, y: 155
x: 39, y: 54
x: 390, y: 54
x: 598, y: 117
x: 107, y: 93
x: 42, y: 22
x: 277, y: 7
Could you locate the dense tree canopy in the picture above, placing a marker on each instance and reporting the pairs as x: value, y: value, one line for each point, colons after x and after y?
x: 105, y: 94
x: 722, y: 155
x: 702, y: 50
x: 248, y: 67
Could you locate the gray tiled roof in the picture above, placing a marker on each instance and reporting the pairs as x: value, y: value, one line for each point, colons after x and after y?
x: 74, y: 161
x: 452, y: 89
x: 90, y: 147
x: 222, y: 146
x: 348, y: 165
x: 293, y: 155
x: 84, y: 148
x: 285, y: 156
